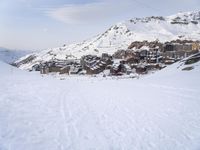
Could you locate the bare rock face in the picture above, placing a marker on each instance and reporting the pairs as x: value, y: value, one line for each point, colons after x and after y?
x: 139, y: 44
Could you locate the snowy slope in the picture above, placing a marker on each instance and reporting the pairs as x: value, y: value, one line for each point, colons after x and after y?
x: 10, y: 56
x: 157, y: 112
x: 120, y: 36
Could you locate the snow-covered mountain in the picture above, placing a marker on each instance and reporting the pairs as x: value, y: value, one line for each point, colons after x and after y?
x: 10, y: 56
x: 156, y: 112
x: 120, y: 36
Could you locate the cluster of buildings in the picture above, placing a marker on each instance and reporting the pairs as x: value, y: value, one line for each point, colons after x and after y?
x: 140, y: 57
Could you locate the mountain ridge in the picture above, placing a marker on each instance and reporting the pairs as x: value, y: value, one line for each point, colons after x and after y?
x: 179, y: 26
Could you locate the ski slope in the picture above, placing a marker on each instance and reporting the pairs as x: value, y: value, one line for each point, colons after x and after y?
x: 160, y: 111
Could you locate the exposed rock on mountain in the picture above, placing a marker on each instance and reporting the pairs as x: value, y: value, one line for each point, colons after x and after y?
x: 182, y: 26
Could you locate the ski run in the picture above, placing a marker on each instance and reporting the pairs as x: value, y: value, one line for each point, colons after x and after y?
x: 160, y: 111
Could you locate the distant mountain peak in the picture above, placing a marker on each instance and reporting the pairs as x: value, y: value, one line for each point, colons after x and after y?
x: 184, y: 25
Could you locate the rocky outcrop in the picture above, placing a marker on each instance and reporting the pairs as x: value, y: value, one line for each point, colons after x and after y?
x: 151, y: 45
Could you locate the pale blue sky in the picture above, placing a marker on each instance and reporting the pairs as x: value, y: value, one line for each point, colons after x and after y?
x: 40, y: 24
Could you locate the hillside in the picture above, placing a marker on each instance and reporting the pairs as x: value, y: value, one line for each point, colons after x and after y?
x: 160, y: 111
x: 120, y: 36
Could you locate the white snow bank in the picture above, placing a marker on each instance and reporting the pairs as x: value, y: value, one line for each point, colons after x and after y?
x: 157, y: 112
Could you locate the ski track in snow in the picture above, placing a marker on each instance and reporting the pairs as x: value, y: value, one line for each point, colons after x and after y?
x: 46, y: 113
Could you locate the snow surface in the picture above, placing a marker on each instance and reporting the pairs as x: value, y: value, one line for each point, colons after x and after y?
x: 121, y: 35
x: 160, y: 111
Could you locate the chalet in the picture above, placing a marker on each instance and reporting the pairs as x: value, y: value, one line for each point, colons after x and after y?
x: 124, y: 54
x: 141, y: 69
x: 195, y: 46
x: 133, y: 60
x: 120, y: 54
x: 118, y: 69
x: 44, y: 69
x: 143, y: 54
x: 177, y: 50
x: 106, y: 56
x: 94, y: 65
x: 89, y: 60
x: 36, y: 67
x: 154, y: 56
x: 48, y: 67
x: 183, y: 47
x: 57, y: 66
x: 65, y: 70
x: 75, y: 69
x: 128, y: 69
x: 168, y: 47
